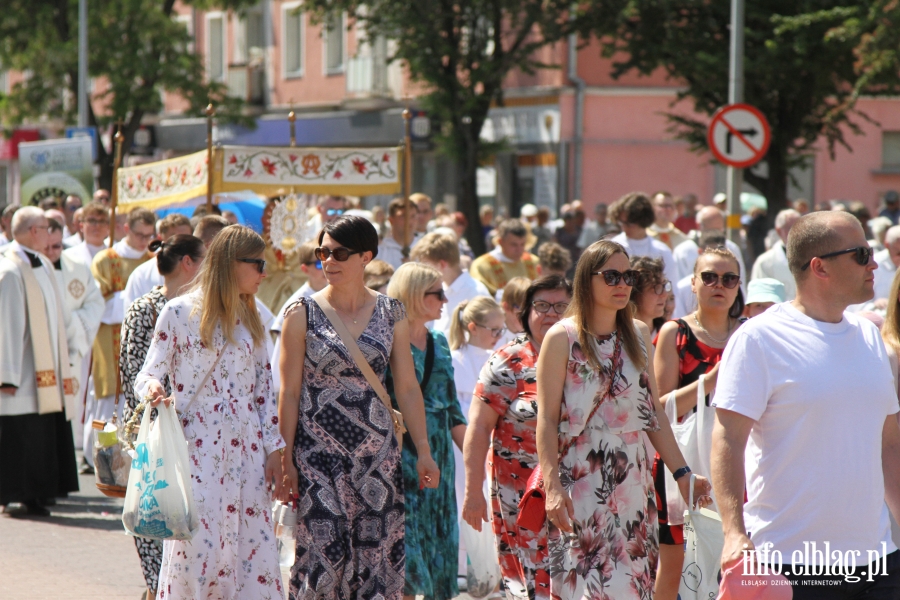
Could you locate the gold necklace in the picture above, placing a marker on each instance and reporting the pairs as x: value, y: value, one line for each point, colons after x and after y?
x: 355, y: 314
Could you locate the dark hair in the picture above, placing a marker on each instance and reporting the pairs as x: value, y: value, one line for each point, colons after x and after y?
x: 209, y: 226
x: 174, y: 249
x: 353, y: 232
x: 650, y: 272
x: 54, y: 225
x: 547, y: 282
x: 737, y: 307
x: 636, y: 209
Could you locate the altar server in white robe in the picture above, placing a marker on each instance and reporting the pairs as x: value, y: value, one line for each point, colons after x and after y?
x: 37, y: 452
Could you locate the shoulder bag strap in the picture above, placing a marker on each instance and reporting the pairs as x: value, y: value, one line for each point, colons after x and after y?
x: 353, y: 349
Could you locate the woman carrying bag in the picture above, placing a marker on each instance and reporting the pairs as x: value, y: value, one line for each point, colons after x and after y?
x: 596, y: 394
x: 344, y: 438
x: 210, y: 344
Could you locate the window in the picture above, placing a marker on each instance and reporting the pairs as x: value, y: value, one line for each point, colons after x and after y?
x: 890, y: 150
x: 292, y: 19
x: 215, y: 46
x: 333, y: 32
x: 188, y: 22
x: 249, y: 38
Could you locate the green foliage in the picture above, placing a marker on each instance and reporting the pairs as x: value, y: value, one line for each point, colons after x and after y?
x: 800, y: 69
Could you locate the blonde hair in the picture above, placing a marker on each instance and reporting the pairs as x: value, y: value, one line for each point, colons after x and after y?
x: 475, y: 311
x: 890, y: 331
x: 409, y: 284
x: 222, y: 304
x: 514, y: 292
x: 582, y: 307
x: 377, y: 274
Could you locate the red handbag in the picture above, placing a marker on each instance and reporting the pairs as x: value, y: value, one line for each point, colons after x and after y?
x: 532, y: 513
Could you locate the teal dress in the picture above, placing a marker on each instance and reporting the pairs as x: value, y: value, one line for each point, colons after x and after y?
x: 432, y: 533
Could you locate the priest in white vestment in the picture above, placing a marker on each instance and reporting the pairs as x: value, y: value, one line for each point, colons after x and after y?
x: 37, y: 452
x: 773, y: 262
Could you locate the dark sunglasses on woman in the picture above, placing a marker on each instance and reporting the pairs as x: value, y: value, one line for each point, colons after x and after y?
x: 862, y: 256
x: 613, y: 277
x: 729, y: 280
x: 340, y: 254
x: 440, y: 295
x: 260, y: 263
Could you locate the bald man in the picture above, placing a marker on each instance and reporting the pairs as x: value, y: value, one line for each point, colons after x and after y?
x: 709, y: 218
x: 773, y: 263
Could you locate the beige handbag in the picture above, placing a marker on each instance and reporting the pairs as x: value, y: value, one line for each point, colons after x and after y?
x: 361, y: 362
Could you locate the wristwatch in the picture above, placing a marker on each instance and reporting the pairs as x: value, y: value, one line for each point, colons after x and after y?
x: 681, y: 472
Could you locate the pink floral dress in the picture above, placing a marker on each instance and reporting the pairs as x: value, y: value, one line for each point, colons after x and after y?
x: 231, y: 427
x: 607, y: 472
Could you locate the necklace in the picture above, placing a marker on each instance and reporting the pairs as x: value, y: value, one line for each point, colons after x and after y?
x: 706, y: 333
x: 355, y: 315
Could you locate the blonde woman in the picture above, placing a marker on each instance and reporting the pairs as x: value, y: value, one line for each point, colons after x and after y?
x: 432, y: 534
x: 890, y: 331
x: 229, y: 420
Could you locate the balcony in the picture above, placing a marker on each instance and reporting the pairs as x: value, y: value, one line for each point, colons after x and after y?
x: 372, y: 83
x: 247, y: 82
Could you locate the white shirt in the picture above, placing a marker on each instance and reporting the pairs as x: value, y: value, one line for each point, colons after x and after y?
x: 819, y: 394
x: 467, y: 363
x: 686, y: 253
x: 141, y: 281
x: 305, y: 291
x: 115, y: 308
x: 83, y: 252
x: 72, y: 240
x: 391, y: 252
x: 465, y: 287
x: 884, y: 274
x: 649, y: 247
x: 773, y: 264
x: 685, y: 300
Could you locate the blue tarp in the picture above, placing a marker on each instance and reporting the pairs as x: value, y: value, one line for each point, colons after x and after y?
x: 247, y: 206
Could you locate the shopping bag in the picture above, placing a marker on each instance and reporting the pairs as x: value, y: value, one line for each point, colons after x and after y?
x: 159, y: 502
x: 483, y: 565
x: 703, y: 542
x: 694, y: 437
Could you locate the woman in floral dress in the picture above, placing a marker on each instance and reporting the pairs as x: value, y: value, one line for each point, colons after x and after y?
x: 230, y: 424
x: 595, y: 397
x: 502, y: 418
x: 178, y: 260
x: 344, y: 467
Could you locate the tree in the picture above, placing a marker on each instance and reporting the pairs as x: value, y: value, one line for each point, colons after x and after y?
x: 136, y: 49
x: 461, y: 51
x: 799, y: 70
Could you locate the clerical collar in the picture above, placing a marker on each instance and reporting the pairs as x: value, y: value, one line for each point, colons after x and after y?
x: 35, y: 261
x: 57, y: 265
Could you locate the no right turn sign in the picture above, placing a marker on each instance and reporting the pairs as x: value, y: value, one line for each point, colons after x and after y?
x: 739, y: 135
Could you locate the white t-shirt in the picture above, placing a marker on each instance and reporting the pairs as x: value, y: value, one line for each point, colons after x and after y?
x: 650, y: 247
x: 141, y: 281
x: 819, y: 393
x: 465, y: 287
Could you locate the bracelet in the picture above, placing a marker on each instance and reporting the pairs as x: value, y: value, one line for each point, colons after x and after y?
x: 681, y: 472
x: 281, y: 451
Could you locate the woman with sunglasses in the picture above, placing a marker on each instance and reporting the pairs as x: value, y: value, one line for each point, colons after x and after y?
x: 650, y: 292
x: 209, y: 346
x: 344, y: 467
x: 432, y: 534
x: 502, y: 418
x: 686, y: 349
x: 596, y: 401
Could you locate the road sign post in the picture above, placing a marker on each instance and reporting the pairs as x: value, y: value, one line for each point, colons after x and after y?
x: 734, y: 177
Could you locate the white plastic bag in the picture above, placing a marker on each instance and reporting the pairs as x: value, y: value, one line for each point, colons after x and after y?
x: 159, y: 502
x: 483, y: 565
x: 703, y: 542
x: 694, y: 437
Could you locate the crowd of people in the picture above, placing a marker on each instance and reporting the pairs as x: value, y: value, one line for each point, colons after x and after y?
x: 394, y: 388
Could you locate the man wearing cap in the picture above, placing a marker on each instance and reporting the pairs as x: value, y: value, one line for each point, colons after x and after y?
x: 763, y: 294
x: 773, y: 263
x: 891, y: 208
x: 662, y: 228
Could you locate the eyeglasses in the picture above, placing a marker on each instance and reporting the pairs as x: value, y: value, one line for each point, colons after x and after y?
x: 55, y: 247
x: 440, y: 295
x: 863, y: 255
x: 612, y: 277
x: 662, y: 288
x: 334, y: 212
x: 142, y: 236
x: 340, y: 254
x: 544, y: 307
x: 495, y: 331
x: 96, y: 222
x: 260, y: 263
x: 729, y: 280
x: 316, y: 263
x: 44, y: 227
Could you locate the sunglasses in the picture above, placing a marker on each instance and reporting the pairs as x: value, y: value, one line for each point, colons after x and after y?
x: 340, y: 254
x: 334, y: 212
x: 729, y: 280
x: 613, y: 277
x: 544, y: 307
x: 316, y: 263
x: 260, y: 263
x: 862, y: 256
x: 495, y: 331
x: 440, y: 295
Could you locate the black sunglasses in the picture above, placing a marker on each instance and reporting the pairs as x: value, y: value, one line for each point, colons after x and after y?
x: 440, y: 295
x: 340, y: 254
x: 260, y: 263
x: 729, y: 280
x: 863, y: 255
x: 613, y: 277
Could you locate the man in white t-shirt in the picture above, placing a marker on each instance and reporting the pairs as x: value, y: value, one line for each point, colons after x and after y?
x: 634, y: 212
x: 441, y: 251
x: 806, y: 411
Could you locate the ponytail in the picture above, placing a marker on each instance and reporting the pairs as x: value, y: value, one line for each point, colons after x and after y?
x: 476, y: 310
x: 174, y: 249
x: 458, y: 331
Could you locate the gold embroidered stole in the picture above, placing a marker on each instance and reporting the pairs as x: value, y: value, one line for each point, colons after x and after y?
x: 48, y: 397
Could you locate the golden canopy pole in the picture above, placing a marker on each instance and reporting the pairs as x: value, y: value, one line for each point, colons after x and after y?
x: 210, y: 112
x: 114, y: 192
x: 407, y: 181
x: 292, y: 119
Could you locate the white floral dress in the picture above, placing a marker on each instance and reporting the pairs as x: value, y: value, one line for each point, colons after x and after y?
x: 231, y: 427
